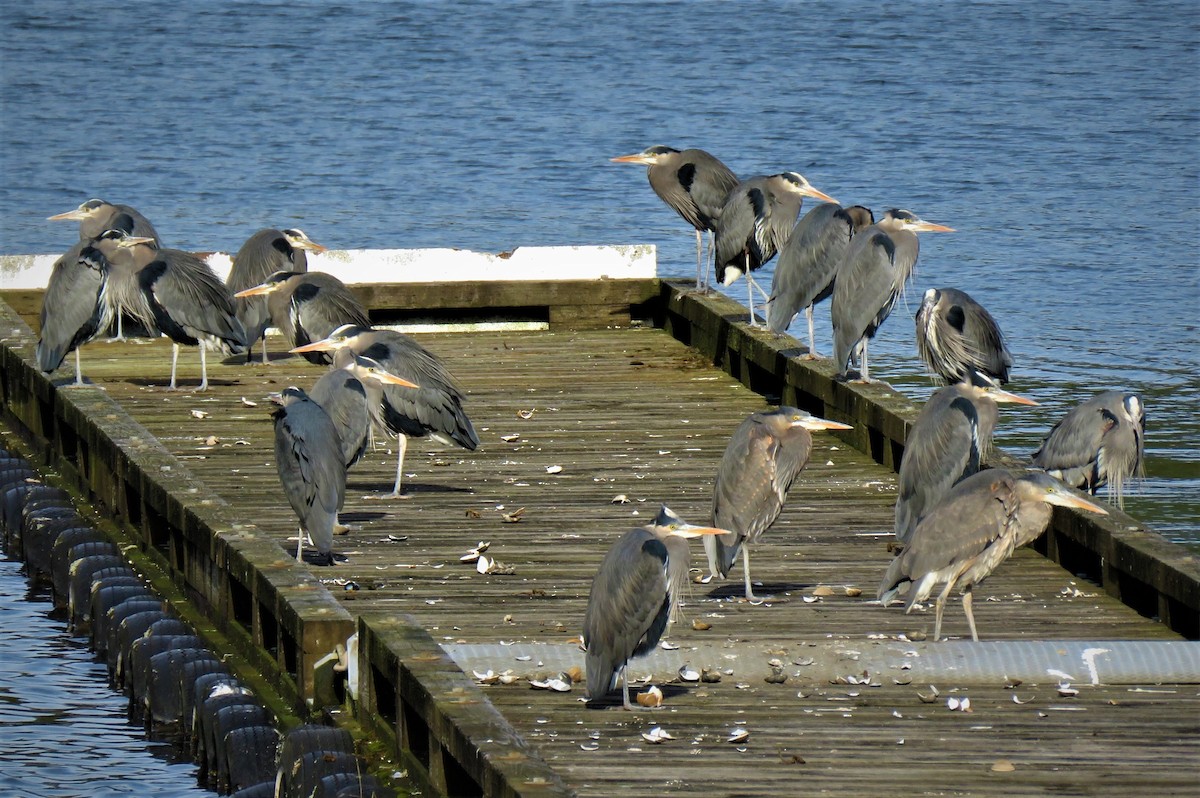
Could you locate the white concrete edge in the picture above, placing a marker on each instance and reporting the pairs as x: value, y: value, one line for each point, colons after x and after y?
x: 615, y: 261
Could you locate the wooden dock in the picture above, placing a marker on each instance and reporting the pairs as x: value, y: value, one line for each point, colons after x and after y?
x: 584, y: 432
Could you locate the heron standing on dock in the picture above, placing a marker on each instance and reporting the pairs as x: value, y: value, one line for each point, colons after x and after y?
x: 170, y: 291
x: 433, y: 410
x: 693, y: 183
x: 808, y: 263
x: 263, y: 254
x: 307, y: 307
x: 877, y: 266
x: 975, y: 528
x: 308, y: 456
x: 95, y: 217
x: 71, y: 311
x: 956, y: 335
x: 754, y: 224
x: 947, y: 443
x: 632, y: 594
x: 1100, y: 441
x: 767, y: 452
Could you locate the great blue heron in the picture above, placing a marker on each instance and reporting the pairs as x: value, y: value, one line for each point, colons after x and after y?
x: 956, y: 335
x: 71, y: 311
x: 435, y: 409
x: 762, y: 460
x: 265, y: 253
x: 870, y: 279
x: 755, y: 222
x: 307, y: 307
x: 345, y: 393
x: 808, y: 263
x: 630, y: 602
x: 692, y: 182
x: 1100, y: 441
x: 975, y: 528
x: 308, y: 455
x: 96, y: 216
x: 176, y: 293
x: 947, y: 443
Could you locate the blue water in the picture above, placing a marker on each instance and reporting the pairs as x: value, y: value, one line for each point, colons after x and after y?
x: 1059, y: 138
x: 64, y: 732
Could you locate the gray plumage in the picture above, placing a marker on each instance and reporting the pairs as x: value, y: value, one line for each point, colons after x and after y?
x: 956, y: 335
x: 262, y: 255
x: 435, y: 409
x: 71, y: 311
x: 176, y: 293
x: 308, y: 307
x: 871, y: 278
x: 947, y: 443
x: 692, y: 182
x: 974, y: 529
x: 765, y: 454
x: 808, y: 263
x: 343, y: 397
x: 755, y: 222
x: 631, y: 599
x: 1100, y: 441
x: 95, y: 217
x: 308, y: 458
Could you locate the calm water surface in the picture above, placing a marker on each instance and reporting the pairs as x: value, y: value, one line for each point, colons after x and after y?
x: 64, y: 732
x: 1059, y: 138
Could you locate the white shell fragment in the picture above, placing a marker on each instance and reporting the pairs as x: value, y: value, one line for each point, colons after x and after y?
x: 200, y: 414
x: 1067, y: 691
x: 958, y: 704
x: 590, y: 746
x: 482, y: 564
x: 667, y: 645
x: 510, y: 438
x: 486, y: 677
x: 620, y: 498
x: 248, y: 403
x: 738, y: 735
x: 656, y: 735
x: 557, y: 684
x: 653, y: 697
x: 689, y: 674
x: 554, y: 469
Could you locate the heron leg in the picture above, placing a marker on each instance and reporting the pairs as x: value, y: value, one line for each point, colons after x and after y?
x: 939, y: 607
x: 299, y: 543
x: 120, y: 336
x: 625, y: 687
x: 709, y: 257
x: 812, y: 338
x: 750, y: 293
x: 401, y: 447
x: 746, y: 570
x: 174, y: 363
x: 78, y: 369
x: 203, y: 369
x: 966, y: 599
x: 701, y: 270
x: 864, y: 374
x: 266, y: 360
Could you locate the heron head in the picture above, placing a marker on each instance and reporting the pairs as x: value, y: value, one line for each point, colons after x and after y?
x: 982, y: 385
x: 647, y: 157
x: 298, y: 239
x: 900, y: 219
x: 667, y: 522
x: 370, y: 368
x: 122, y: 240
x: 271, y: 285
x: 1040, y: 486
x: 341, y: 337
x: 85, y: 211
x: 798, y: 183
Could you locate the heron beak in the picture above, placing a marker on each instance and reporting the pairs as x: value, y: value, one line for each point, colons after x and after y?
x: 308, y: 244
x: 998, y: 395
x: 257, y: 290
x: 132, y: 241
x: 637, y: 157
x: 70, y: 216
x: 388, y: 378
x: 686, y: 530
x: 1065, y: 499
x: 809, y: 191
x: 813, y: 424
x: 276, y: 398
x: 324, y: 345
x: 930, y: 227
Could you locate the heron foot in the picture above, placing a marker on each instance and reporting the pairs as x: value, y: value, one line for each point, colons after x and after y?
x: 116, y: 339
x: 386, y: 496
x: 812, y: 356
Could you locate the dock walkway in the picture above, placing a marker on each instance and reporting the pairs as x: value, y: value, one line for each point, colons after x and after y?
x: 583, y: 434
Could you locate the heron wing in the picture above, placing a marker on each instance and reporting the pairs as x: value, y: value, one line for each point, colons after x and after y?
x: 1069, y: 452
x: 307, y: 455
x: 186, y: 293
x: 322, y: 303
x: 710, y: 184
x: 670, y: 181
x: 808, y: 263
x: 863, y: 286
x: 734, y: 228
x: 627, y: 608
x: 344, y: 400
x: 71, y: 309
x: 436, y: 407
